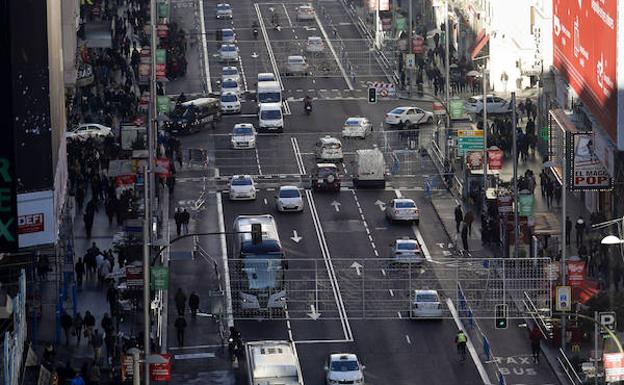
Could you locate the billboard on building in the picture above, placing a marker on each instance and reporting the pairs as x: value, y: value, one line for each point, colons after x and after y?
x: 586, y: 170
x: 36, y: 222
x: 584, y: 52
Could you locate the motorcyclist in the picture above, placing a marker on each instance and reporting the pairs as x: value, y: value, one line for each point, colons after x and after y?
x: 460, y: 341
x: 254, y: 27
x: 234, y: 343
x: 307, y: 103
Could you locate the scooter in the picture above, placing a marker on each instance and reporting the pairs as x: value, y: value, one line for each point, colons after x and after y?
x: 308, y: 108
x: 255, y: 33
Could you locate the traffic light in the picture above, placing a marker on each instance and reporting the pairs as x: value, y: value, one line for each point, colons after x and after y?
x: 372, y: 95
x: 256, y: 233
x: 501, y: 316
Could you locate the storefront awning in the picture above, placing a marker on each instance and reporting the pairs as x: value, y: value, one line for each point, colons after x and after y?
x: 480, y: 42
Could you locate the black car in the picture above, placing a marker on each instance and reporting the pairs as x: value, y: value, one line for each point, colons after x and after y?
x: 325, y: 177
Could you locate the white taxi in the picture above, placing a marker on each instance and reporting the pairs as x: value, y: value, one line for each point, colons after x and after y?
x: 289, y: 199
x: 228, y: 52
x: 426, y: 304
x: 408, y: 117
x: 314, y: 44
x: 242, y: 187
x: 356, y: 127
x: 402, y: 209
x: 229, y: 103
x: 230, y: 72
x: 344, y: 368
x: 243, y: 136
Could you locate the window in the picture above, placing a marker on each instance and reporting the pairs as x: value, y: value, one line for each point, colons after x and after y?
x: 289, y: 193
x: 407, y: 246
x: 271, y: 114
x: 229, y: 98
x: 404, y: 205
x: 243, y: 131
x: 242, y: 182
x: 344, y: 366
x: 429, y: 297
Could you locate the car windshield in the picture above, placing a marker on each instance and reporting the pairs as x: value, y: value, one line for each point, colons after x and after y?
x: 289, y: 193
x: 404, y: 205
x: 271, y: 115
x: 269, y: 97
x: 228, y: 48
x: 332, y: 146
x: 473, y: 100
x: 407, y: 246
x: 352, y: 122
x: 229, y: 98
x: 243, y: 131
x: 230, y: 71
x: 315, y: 40
x: 228, y: 33
x: 229, y: 84
x: 223, y: 7
x: 266, y: 78
x: 344, y: 366
x: 326, y: 171
x: 398, y: 111
x: 426, y: 298
x: 296, y: 61
x: 241, y: 182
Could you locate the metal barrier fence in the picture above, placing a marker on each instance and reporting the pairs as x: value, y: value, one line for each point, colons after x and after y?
x: 14, y: 341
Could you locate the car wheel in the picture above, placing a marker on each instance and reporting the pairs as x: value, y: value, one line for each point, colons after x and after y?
x: 407, y: 124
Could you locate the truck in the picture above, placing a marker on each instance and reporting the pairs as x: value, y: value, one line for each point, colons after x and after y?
x: 370, y: 168
x: 273, y: 363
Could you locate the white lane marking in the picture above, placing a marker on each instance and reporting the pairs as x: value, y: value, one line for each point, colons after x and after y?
x: 391, y: 293
x: 469, y: 345
x: 290, y: 24
x: 416, y: 231
x: 331, y: 48
x: 226, y: 269
x: 400, y: 316
x: 383, y: 271
x: 265, y: 201
x: 268, y: 46
x: 204, y: 46
x: 240, y: 62
x: 321, y: 341
x: 298, y: 157
x: 408, y: 339
x: 258, y: 160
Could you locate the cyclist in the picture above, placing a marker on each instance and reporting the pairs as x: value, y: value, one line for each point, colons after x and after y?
x: 460, y: 341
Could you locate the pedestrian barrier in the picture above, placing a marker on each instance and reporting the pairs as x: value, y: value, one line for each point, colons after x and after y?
x: 13, y: 354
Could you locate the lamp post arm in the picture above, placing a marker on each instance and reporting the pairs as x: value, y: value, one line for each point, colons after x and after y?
x: 174, y: 240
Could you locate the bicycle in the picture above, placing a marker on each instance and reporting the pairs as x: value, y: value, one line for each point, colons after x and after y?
x: 461, y: 350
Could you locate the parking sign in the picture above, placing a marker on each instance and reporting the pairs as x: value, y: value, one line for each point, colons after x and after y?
x: 607, y: 319
x: 564, y: 298
x: 410, y: 60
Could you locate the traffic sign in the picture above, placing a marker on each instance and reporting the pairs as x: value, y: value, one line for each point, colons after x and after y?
x: 469, y: 140
x: 563, y: 298
x: 608, y: 320
x: 500, y: 311
x: 410, y: 60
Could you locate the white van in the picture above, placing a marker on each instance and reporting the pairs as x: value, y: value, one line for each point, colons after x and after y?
x: 269, y: 92
x: 270, y: 117
x: 266, y: 77
x: 371, y: 168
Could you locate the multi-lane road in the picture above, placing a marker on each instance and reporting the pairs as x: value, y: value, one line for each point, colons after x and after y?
x: 338, y: 248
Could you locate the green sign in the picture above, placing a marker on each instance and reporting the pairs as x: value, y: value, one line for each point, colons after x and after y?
x: 161, y: 56
x: 163, y: 103
x: 545, y: 133
x: 526, y: 204
x: 163, y: 9
x: 469, y: 144
x: 456, y: 108
x: 400, y: 23
x: 159, y: 277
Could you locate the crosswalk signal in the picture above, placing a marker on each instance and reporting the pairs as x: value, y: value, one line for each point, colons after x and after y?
x: 372, y: 95
x: 256, y: 233
x: 501, y: 316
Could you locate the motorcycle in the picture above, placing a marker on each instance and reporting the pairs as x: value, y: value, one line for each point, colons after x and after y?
x: 307, y: 105
x: 255, y: 33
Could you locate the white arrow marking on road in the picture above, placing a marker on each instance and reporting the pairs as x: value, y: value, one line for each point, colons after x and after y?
x: 336, y: 205
x: 450, y: 246
x: 254, y: 55
x: 440, y: 245
x: 313, y: 313
x: 265, y: 201
x: 307, y: 28
x: 296, y: 238
x: 357, y: 267
x: 381, y: 205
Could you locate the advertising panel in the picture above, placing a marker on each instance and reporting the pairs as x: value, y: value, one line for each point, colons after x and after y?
x: 614, y: 367
x: 495, y: 158
x: 586, y: 171
x: 35, y: 218
x: 576, y: 272
x: 161, y: 372
x: 584, y: 53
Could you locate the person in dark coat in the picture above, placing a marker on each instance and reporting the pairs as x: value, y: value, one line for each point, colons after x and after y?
x: 464, y: 236
x: 180, y: 300
x: 580, y: 231
x: 66, y: 323
x: 78, y: 324
x: 178, y: 221
x: 468, y: 219
x: 80, y: 270
x: 459, y: 217
x: 89, y: 324
x: 180, y: 325
x: 568, y: 230
x: 88, y: 221
x: 110, y: 210
x: 186, y: 218
x: 194, y: 303
x: 111, y: 298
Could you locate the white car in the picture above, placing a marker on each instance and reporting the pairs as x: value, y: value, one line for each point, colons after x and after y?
x: 495, y: 105
x: 329, y: 148
x: 243, y: 136
x: 242, y: 187
x: 229, y: 103
x: 289, y: 199
x: 406, y: 251
x: 266, y: 77
x: 89, y: 130
x: 305, y: 12
x: 230, y: 86
x: 230, y: 72
x: 296, y: 65
x: 228, y: 35
x: 314, y: 44
x: 426, y: 304
x: 228, y: 52
x: 408, y: 117
x: 356, y: 127
x: 344, y: 368
x: 403, y: 209
x: 223, y: 11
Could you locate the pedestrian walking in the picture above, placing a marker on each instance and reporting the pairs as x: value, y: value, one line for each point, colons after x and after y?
x: 194, y: 303
x: 180, y: 325
x: 459, y: 217
x: 110, y: 340
x: 469, y: 218
x: 549, y: 193
x: 464, y: 235
x: 535, y: 338
x: 568, y: 230
x: 96, y: 343
x: 66, y: 323
x: 78, y: 324
x: 110, y: 208
x: 80, y: 270
x: 177, y: 217
x: 89, y: 324
x: 107, y: 324
x: 88, y: 221
x: 543, y: 180
x: 186, y: 218
x: 580, y: 231
x: 180, y: 300
x: 111, y: 298
x: 557, y: 194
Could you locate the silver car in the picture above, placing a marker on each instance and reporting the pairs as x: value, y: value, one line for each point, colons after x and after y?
x: 356, y: 127
x: 406, y: 251
x: 228, y: 52
x: 402, y: 209
x: 289, y: 199
x: 223, y: 11
x: 495, y: 105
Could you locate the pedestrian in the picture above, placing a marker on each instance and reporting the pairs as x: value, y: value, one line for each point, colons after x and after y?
x: 111, y: 298
x: 568, y: 230
x: 95, y: 374
x: 186, y: 218
x: 535, y: 338
x: 549, y: 193
x: 180, y: 300
x: 49, y: 352
x: 180, y: 325
x: 469, y: 218
x: 194, y: 303
x: 66, y: 323
x: 110, y: 340
x: 97, y: 342
x: 459, y: 217
x: 107, y: 324
x: 557, y: 194
x: 543, y: 180
x: 178, y: 221
x: 78, y: 380
x: 580, y: 231
x: 110, y: 210
x: 78, y: 323
x: 89, y: 324
x: 88, y: 221
x: 464, y: 235
x: 80, y: 270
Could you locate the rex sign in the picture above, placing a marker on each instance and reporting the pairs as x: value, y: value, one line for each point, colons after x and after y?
x: 585, y: 54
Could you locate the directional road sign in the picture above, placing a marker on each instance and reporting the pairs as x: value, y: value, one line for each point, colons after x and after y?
x: 469, y: 140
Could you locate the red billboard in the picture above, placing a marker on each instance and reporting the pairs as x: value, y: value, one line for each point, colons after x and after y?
x: 584, y: 53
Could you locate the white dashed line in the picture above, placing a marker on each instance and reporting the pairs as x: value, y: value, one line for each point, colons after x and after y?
x: 400, y: 316
x: 391, y: 294
x: 383, y: 271
x: 408, y: 339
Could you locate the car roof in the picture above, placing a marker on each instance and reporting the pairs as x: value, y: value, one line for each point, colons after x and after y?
x: 223, y: 4
x: 270, y: 106
x: 403, y: 200
x: 200, y: 101
x: 229, y: 68
x: 329, y: 139
x: 356, y: 118
x: 342, y: 357
x: 326, y: 165
x: 241, y: 177
x: 314, y: 38
x: 296, y: 57
x: 305, y: 6
x: 400, y: 241
x: 227, y: 29
x: 243, y: 125
x: 426, y: 291
x: 289, y: 187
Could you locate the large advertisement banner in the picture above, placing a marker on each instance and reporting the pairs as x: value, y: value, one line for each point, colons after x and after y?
x: 584, y: 48
x: 586, y: 171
